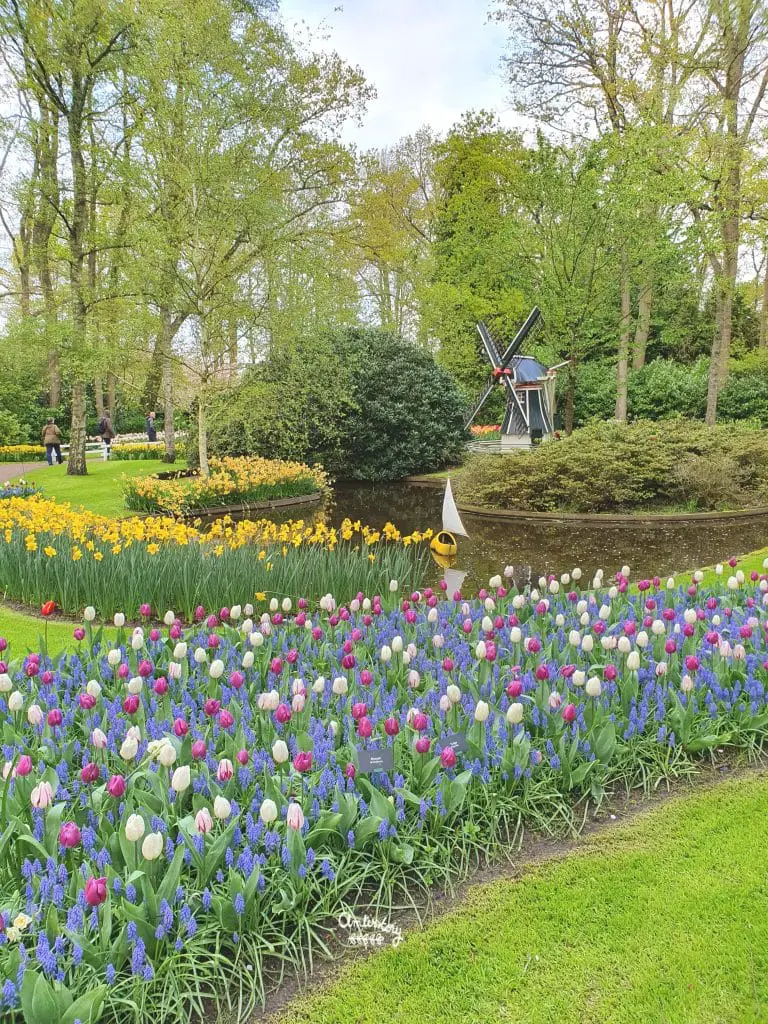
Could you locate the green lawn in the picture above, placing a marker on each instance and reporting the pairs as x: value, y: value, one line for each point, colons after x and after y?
x: 100, y: 490
x: 663, y: 920
x: 22, y: 631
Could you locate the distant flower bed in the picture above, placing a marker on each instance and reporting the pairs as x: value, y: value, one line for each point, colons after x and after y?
x: 480, y: 430
x: 19, y: 490
x: 49, y: 551
x: 134, y: 451
x: 21, y: 452
x: 231, y: 482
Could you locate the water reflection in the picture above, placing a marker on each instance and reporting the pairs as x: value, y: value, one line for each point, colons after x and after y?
x: 536, y: 548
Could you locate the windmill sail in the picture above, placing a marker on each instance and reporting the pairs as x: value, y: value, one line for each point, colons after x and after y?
x: 451, y: 518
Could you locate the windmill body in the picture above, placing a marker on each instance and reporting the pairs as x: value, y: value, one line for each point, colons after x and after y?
x: 529, y: 387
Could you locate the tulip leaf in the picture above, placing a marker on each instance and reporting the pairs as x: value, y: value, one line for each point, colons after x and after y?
x: 605, y: 744
x: 87, y: 1008
x: 366, y: 830
x: 168, y: 886
x: 38, y: 1000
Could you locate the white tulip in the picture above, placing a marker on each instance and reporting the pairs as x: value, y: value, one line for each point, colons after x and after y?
x: 578, y: 678
x: 486, y: 625
x: 200, y: 655
x: 134, y: 828
x: 256, y: 639
x: 174, y: 670
x: 518, y: 602
x: 671, y: 583
x: 593, y: 687
x: 366, y: 604
x: 340, y: 686
x: 494, y: 582
x: 624, y: 645
x: 152, y: 846
x: 280, y: 752
x: 657, y: 627
x: 584, y: 619
x: 453, y: 693
x: 135, y: 685
x: 34, y: 714
x: 489, y: 604
x: 633, y: 661
x: 167, y: 754
x: 129, y: 749
x: 319, y: 685
x: 515, y: 635
x: 137, y: 641
x: 397, y: 644
x: 181, y: 778
x: 554, y: 587
x: 235, y: 612
x: 334, y: 728
x: 394, y: 586
x: 605, y: 612
x: 93, y: 688
x: 406, y: 657
x: 246, y: 626
x: 740, y: 577
x: 535, y: 595
x: 98, y: 739
x: 445, y: 703
x: 180, y: 651
x: 386, y: 654
x: 565, y: 579
x: 482, y: 711
x: 89, y: 614
x: 216, y: 671
x: 248, y: 660
x: 642, y: 639
x: 581, y: 607
x: 687, y: 684
x: 480, y: 650
x: 15, y: 701
x: 414, y: 679
x: 432, y: 615
x: 268, y: 811
x: 576, y: 573
x: 698, y: 576
x: 119, y: 620
x: 689, y: 615
x: 718, y: 569
x: 515, y: 713
x: 222, y: 808
x: 587, y: 644
x: 114, y: 657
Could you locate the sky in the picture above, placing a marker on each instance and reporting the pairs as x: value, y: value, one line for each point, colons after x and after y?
x: 429, y: 60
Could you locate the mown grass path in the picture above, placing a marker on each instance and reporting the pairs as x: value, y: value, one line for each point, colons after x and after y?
x: 661, y: 920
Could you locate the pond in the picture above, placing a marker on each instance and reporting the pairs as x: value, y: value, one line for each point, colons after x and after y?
x: 535, y: 548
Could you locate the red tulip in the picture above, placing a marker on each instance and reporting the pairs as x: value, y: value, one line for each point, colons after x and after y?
x: 48, y: 608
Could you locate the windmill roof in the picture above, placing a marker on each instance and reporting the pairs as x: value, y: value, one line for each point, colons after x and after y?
x: 528, y: 369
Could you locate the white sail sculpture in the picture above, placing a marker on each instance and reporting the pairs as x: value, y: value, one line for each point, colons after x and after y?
x: 451, y: 519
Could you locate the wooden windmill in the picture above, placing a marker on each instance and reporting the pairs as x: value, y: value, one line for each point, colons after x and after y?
x: 529, y: 386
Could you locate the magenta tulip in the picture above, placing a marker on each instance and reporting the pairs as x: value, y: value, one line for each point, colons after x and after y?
x: 95, y: 891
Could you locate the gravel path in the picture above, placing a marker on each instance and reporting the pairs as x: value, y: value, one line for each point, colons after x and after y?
x: 10, y: 470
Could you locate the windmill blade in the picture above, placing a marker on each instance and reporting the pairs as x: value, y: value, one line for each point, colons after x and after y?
x: 489, y: 345
x: 480, y: 403
x: 512, y: 393
x: 533, y: 318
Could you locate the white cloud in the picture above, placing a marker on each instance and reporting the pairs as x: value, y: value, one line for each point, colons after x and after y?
x: 430, y: 60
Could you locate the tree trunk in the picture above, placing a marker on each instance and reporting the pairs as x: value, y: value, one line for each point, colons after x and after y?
x: 167, y: 374
x: 570, y: 394
x: 622, y: 370
x: 76, y: 461
x: 764, y: 310
x: 644, y: 306
x: 202, y: 432
x: 111, y: 399
x: 77, y: 228
x: 98, y: 395
x: 45, y: 218
x: 54, y: 378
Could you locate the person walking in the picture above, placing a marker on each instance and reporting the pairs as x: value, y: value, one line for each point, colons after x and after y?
x: 106, y: 432
x: 52, y: 441
x: 151, y: 427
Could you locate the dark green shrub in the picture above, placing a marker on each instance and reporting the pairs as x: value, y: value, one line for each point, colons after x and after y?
x: 612, y: 467
x: 363, y: 403
x: 10, y: 429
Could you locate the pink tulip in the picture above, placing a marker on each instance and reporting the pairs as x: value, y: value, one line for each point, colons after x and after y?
x: 448, y: 757
x: 420, y: 721
x: 69, y: 835
x: 54, y: 717
x: 87, y: 701
x: 199, y: 750
x: 145, y: 611
x: 366, y: 677
x: 423, y: 744
x: 236, y: 680
x: 225, y: 770
x: 283, y: 714
x: 146, y: 668
x: 160, y: 686
x: 350, y: 771
x: 123, y: 671
x: 243, y: 757
x: 131, y: 704
x: 203, y: 821
x: 303, y: 761
x: 42, y: 796
x: 569, y: 713
x: 79, y: 634
x: 95, y: 891
x: 24, y: 767
x: 180, y: 727
x: 212, y: 707
x: 116, y: 786
x: 295, y: 817
x: 391, y: 726
x: 364, y: 727
x: 276, y: 666
x: 359, y: 710
x: 89, y: 772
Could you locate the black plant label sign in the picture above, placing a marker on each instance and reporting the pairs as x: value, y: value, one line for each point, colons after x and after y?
x: 457, y: 741
x: 376, y: 760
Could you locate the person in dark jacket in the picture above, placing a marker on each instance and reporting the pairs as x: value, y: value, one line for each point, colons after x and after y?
x: 52, y: 441
x: 151, y: 427
x: 106, y: 433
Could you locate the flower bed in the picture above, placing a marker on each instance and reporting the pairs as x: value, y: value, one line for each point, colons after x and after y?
x: 189, y: 806
x: 485, y: 430
x: 132, y: 452
x: 50, y: 551
x: 21, y: 452
x: 231, y: 482
x: 19, y: 490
